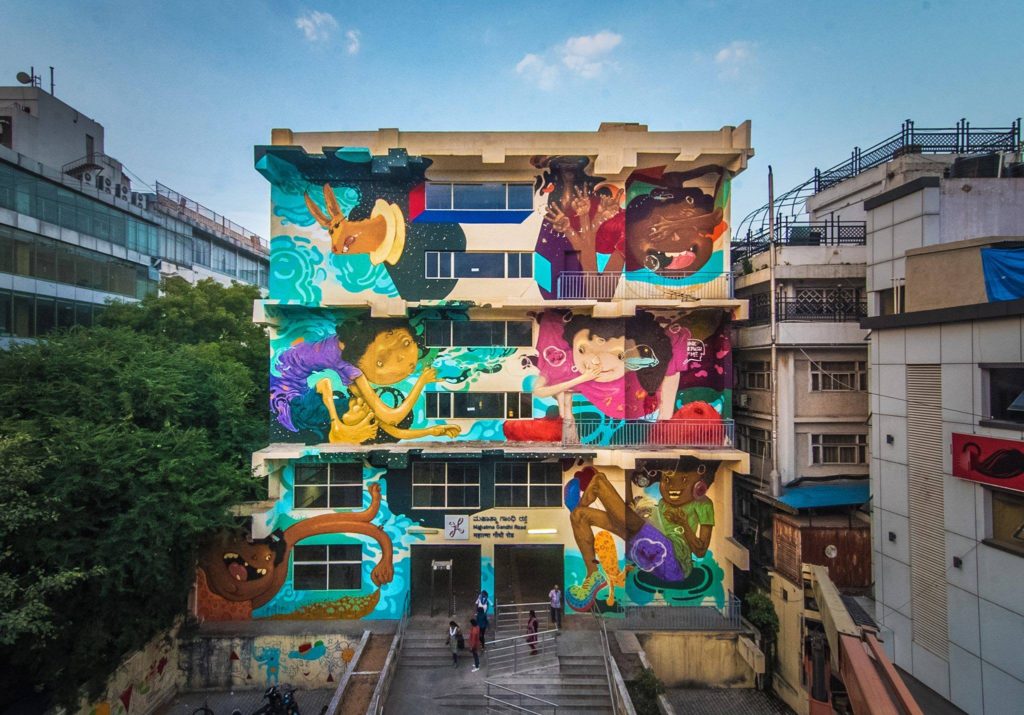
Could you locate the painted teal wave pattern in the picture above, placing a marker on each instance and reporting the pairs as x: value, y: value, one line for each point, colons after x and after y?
x: 296, y: 270
x: 356, y: 274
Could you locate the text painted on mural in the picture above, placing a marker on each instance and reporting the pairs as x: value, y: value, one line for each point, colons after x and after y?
x: 498, y: 527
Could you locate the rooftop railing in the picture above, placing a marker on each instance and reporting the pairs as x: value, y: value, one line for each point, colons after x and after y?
x: 648, y: 433
x: 961, y: 139
x: 582, y: 285
x: 705, y: 616
x: 831, y: 232
x: 174, y: 204
x: 802, y: 310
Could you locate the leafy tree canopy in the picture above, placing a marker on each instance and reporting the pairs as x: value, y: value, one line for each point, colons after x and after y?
x: 120, y: 447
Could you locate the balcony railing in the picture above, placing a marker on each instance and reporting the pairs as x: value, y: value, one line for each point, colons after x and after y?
x: 961, y: 139
x: 174, y: 204
x: 581, y: 285
x: 648, y: 433
x: 801, y: 310
x: 802, y: 233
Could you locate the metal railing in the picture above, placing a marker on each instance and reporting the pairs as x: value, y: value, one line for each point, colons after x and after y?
x: 705, y: 616
x: 647, y: 433
x: 961, y: 139
x: 581, y: 285
x: 799, y: 310
x: 516, y: 654
x: 831, y: 232
x: 502, y: 702
x: 387, y: 673
x: 514, y: 617
x: 177, y: 205
x: 621, y: 702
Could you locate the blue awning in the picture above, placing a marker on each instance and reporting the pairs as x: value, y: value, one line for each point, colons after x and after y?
x: 814, y: 496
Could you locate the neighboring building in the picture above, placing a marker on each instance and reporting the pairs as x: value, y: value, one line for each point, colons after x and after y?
x: 74, y: 234
x: 946, y: 304
x: 499, y: 360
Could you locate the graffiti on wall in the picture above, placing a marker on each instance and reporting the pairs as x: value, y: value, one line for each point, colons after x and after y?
x: 651, y: 544
x: 143, y: 681
x: 242, y: 578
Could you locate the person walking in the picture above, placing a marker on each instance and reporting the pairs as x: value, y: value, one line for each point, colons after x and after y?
x: 475, y: 643
x: 483, y: 602
x: 454, y: 636
x: 555, y: 597
x: 532, y: 626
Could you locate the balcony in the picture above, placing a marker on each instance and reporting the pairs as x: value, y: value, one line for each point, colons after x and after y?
x: 173, y: 204
x: 648, y: 433
x: 672, y: 285
x: 802, y: 233
x: 801, y: 310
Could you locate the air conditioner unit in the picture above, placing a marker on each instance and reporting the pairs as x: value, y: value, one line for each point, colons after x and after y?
x: 744, y: 400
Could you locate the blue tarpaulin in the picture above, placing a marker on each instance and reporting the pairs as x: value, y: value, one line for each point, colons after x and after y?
x: 1004, y: 273
x: 811, y: 496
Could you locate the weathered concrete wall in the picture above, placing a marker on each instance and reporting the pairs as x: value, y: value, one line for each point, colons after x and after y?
x: 146, y: 680
x: 700, y: 659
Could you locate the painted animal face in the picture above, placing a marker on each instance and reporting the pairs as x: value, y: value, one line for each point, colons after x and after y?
x: 239, y: 570
x: 677, y: 487
x: 391, y: 357
x: 671, y: 231
x: 608, y: 354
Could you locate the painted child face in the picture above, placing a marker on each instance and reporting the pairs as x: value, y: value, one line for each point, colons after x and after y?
x: 677, y: 486
x: 390, y: 357
x: 606, y: 353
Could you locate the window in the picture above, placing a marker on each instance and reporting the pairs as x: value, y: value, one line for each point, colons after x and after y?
x: 7, y: 132
x: 479, y: 333
x: 328, y: 567
x: 756, y: 375
x: 838, y: 377
x: 1007, y: 520
x: 328, y: 486
x: 460, y: 264
x: 838, y: 449
x: 441, y: 485
x: 529, y: 484
x: 479, y: 405
x: 755, y: 441
x: 478, y: 197
x: 1005, y: 392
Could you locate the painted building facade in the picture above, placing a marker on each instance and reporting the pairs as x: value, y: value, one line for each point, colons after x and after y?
x: 505, y: 351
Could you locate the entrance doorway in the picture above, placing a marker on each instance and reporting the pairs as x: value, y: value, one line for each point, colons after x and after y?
x: 525, y: 573
x: 465, y: 578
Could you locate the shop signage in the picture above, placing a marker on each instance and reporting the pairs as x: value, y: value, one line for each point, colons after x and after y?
x: 999, y: 462
x: 456, y: 527
x: 505, y: 526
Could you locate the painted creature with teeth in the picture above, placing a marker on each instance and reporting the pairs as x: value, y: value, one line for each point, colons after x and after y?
x: 239, y: 569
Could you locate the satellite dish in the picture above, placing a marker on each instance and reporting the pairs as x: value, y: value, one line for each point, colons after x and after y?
x: 24, y: 77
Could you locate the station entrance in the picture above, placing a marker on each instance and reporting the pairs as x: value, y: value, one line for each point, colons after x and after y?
x: 525, y: 573
x: 437, y: 587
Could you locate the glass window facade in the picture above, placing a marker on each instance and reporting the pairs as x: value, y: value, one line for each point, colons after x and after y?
x: 23, y: 315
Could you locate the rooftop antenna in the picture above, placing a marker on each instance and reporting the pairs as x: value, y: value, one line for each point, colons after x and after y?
x: 29, y: 78
x: 51, y: 81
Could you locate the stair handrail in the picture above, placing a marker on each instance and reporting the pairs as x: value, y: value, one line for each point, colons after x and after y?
x: 520, y: 608
x: 621, y: 702
x: 503, y: 653
x: 504, y: 704
x: 387, y: 673
x: 546, y: 703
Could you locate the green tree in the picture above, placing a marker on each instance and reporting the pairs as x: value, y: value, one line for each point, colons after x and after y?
x: 123, y: 446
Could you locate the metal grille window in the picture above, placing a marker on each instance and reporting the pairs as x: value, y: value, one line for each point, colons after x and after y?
x: 328, y: 486
x: 757, y: 375
x: 478, y: 333
x: 441, y: 485
x: 468, y: 264
x: 838, y: 449
x: 1005, y: 392
x: 479, y: 405
x: 329, y: 567
x: 754, y: 441
x: 529, y: 484
x: 838, y: 377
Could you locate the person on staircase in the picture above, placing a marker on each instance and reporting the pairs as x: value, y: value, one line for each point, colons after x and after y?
x: 483, y: 602
x: 555, y: 596
x: 475, y: 643
x: 532, y: 626
x: 454, y: 636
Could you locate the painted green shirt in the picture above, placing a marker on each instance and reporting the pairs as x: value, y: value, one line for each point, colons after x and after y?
x: 665, y: 518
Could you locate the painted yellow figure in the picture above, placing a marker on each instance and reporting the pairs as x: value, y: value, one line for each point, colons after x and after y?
x: 608, y: 558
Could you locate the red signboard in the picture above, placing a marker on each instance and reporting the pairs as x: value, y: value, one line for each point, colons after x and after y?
x: 999, y: 462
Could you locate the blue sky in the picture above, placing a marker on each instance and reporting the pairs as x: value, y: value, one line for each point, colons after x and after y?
x: 185, y: 89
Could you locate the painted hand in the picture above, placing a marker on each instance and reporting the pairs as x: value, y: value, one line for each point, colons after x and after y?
x: 358, y: 433
x: 382, y: 573
x: 557, y: 218
x: 592, y: 372
x: 444, y: 430
x: 357, y: 411
x: 428, y: 375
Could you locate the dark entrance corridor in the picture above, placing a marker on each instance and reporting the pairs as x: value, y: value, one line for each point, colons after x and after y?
x: 526, y: 573
x: 465, y: 578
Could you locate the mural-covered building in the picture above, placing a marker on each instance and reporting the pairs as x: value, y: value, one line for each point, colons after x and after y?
x: 509, y: 351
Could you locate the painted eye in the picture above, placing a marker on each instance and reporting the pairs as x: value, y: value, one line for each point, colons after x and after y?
x: 689, y: 200
x: 580, y: 350
x: 621, y: 356
x: 380, y: 363
x: 406, y: 343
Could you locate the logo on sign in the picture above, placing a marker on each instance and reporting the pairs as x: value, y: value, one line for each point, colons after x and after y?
x: 456, y: 527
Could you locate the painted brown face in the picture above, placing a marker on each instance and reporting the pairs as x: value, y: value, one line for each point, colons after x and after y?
x: 390, y: 357
x: 671, y: 232
x: 237, y: 569
x: 677, y: 487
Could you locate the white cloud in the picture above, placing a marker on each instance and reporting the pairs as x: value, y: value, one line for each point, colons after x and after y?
x: 539, y: 70
x: 316, y: 26
x: 734, y: 58
x: 585, y: 56
x: 352, y: 44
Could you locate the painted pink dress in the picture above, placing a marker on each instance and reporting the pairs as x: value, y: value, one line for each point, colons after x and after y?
x: 554, y: 361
